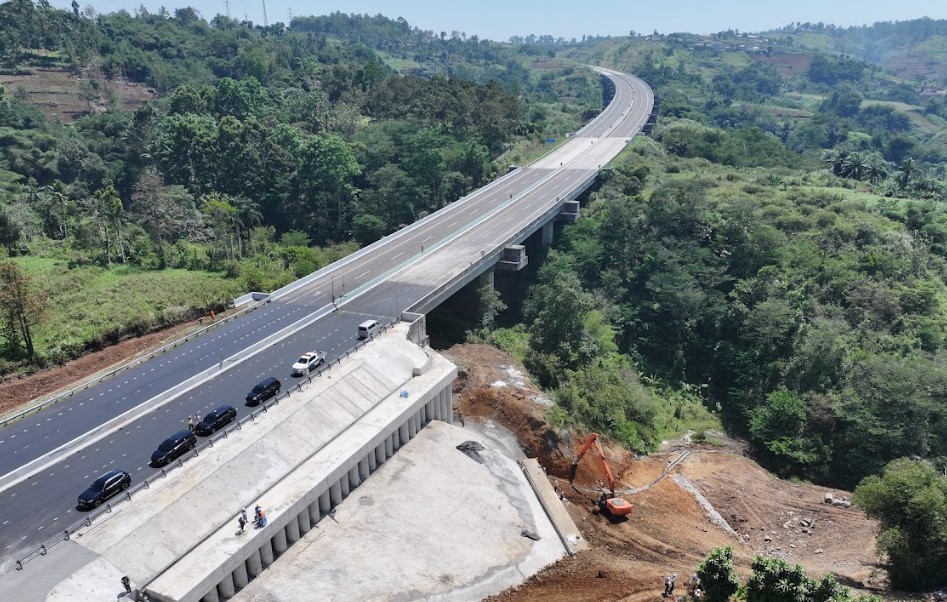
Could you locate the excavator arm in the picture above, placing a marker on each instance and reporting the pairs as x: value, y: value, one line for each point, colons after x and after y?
x: 617, y: 506
x: 590, y: 441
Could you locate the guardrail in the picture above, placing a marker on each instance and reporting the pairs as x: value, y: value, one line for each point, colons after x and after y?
x: 485, y: 257
x: 492, y: 255
x: 127, y: 365
x: 126, y: 496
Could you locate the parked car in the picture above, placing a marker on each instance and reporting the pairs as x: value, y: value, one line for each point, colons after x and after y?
x: 307, y: 362
x: 174, y: 447
x: 105, y: 487
x: 218, y: 418
x: 266, y: 388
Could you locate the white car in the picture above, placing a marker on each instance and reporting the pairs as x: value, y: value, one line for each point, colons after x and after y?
x: 308, y: 362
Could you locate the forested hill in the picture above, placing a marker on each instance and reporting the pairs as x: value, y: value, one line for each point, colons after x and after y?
x: 909, y: 49
x: 243, y: 156
x: 776, y: 251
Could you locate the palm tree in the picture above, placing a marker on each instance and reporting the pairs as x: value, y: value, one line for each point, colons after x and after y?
x: 58, y: 192
x: 836, y: 159
x: 876, y: 169
x: 248, y: 217
x: 854, y: 166
x: 905, y: 171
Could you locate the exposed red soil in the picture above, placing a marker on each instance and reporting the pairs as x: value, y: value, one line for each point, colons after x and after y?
x: 668, y: 531
x: 67, y: 95
x: 18, y: 390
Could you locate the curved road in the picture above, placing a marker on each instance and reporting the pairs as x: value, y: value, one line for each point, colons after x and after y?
x: 401, y: 271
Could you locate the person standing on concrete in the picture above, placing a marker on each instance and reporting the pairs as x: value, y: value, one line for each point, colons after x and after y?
x: 190, y: 424
x: 127, y: 584
x: 197, y: 420
x: 242, y: 522
x: 243, y: 514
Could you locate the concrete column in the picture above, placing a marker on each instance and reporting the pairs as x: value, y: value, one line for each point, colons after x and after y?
x: 266, y: 553
x: 448, y: 405
x: 325, y: 503
x: 292, y: 530
x: 225, y: 588
x: 404, y: 434
x: 390, y: 446
x: 548, y: 232
x: 354, y: 478
x: 415, y: 424
x: 304, y: 520
x: 314, y: 514
x: 279, y: 542
x: 373, y: 457
x: 211, y: 596
x: 240, y: 577
x: 344, y: 486
x: 335, y: 494
x: 363, y: 469
x: 423, y: 414
x: 254, y: 564
x: 488, y: 277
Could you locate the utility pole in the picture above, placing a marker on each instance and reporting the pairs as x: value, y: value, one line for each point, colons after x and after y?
x: 227, y: 7
x: 265, y: 22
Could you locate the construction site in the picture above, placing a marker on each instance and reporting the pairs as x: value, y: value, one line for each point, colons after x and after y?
x: 686, y: 499
x: 659, y: 515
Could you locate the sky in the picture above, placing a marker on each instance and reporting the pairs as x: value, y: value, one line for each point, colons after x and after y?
x: 501, y: 19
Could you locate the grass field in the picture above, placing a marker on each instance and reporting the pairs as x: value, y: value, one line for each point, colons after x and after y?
x: 90, y: 305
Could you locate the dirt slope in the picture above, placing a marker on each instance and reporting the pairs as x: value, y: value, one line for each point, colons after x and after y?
x: 668, y: 531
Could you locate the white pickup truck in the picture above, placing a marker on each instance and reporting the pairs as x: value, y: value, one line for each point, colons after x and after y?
x: 308, y: 362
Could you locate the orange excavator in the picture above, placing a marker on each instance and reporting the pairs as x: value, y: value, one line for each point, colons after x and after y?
x: 613, y: 505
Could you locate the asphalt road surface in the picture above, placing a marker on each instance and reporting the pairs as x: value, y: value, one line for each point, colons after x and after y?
x: 397, y: 273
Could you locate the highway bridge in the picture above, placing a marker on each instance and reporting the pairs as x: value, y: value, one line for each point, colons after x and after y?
x: 50, y: 455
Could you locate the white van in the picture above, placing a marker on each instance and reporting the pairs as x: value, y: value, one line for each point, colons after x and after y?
x: 368, y: 328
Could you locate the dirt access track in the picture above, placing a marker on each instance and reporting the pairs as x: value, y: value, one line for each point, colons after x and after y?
x: 669, y: 530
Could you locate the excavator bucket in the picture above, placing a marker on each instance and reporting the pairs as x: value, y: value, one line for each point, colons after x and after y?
x: 618, y: 506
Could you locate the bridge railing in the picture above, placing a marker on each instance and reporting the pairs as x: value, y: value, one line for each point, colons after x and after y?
x: 491, y: 256
x: 208, y: 443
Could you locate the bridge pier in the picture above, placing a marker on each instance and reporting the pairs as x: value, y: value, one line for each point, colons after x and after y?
x: 487, y: 278
x: 549, y: 230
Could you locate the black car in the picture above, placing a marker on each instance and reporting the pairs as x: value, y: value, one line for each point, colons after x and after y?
x: 174, y: 447
x: 105, y: 487
x: 266, y: 388
x: 219, y: 418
